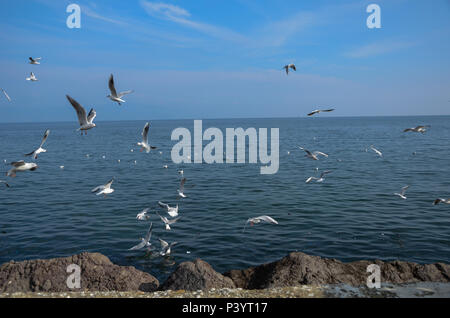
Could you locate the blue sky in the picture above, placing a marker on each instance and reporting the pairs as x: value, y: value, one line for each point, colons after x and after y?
x: 223, y: 58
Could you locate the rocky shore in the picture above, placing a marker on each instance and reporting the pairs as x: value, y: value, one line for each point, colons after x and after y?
x: 296, y: 275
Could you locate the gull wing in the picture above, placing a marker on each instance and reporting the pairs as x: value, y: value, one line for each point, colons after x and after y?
x: 173, y: 220
x: 125, y: 93
x: 149, y: 233
x: 163, y: 205
x: 111, y: 86
x: 164, y: 244
x: 182, y: 184
x: 6, y: 95
x: 31, y: 59
x: 320, y: 153
x: 101, y: 187
x: 145, y: 133
x: 18, y: 163
x: 47, y: 132
x: 137, y: 247
x: 108, y: 185
x: 81, y: 113
x: 91, y: 116
x: 325, y: 173
x: 293, y: 67
x: 313, y: 112
x: 404, y: 190
x: 328, y: 110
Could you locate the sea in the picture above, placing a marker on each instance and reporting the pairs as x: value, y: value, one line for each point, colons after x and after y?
x: 352, y: 215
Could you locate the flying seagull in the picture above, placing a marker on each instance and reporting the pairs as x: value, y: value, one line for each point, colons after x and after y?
x: 376, y: 151
x: 6, y: 95
x: 420, y: 129
x: 313, y: 155
x: 181, y: 189
x: 258, y: 219
x: 402, y: 193
x: 172, y: 211
x: 437, y: 201
x: 32, y: 77
x: 144, y: 144
x: 40, y: 149
x: 168, y: 222
x: 143, y: 216
x: 322, y: 175
x: 19, y: 166
x: 114, y: 96
x: 288, y: 66
x: 35, y: 60
x: 319, y: 111
x: 86, y: 122
x: 104, y: 189
x: 166, y: 247
x: 145, y: 241
x: 6, y: 183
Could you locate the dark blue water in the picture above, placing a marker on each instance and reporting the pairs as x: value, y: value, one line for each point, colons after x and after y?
x: 352, y: 215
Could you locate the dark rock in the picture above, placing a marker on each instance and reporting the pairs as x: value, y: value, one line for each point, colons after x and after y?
x: 301, y: 269
x: 98, y: 273
x: 197, y: 275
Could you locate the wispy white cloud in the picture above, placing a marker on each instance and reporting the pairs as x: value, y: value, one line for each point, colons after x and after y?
x: 91, y: 13
x: 181, y: 16
x: 379, y: 48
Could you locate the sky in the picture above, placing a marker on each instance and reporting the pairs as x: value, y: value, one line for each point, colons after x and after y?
x: 198, y: 59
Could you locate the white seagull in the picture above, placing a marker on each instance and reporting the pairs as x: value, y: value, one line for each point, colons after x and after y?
x: 114, y: 96
x: 289, y: 66
x: 402, y: 193
x: 321, y: 179
x: 32, y: 77
x: 6, y: 95
x: 181, y: 189
x: 166, y: 247
x: 313, y: 155
x: 143, y: 216
x: 172, y: 211
x: 258, y: 219
x: 319, y: 111
x: 437, y: 201
x: 20, y: 166
x: 35, y: 60
x: 86, y: 122
x: 145, y: 241
x: 104, y: 189
x: 376, y: 151
x: 144, y: 144
x: 168, y: 222
x: 420, y: 129
x: 40, y: 149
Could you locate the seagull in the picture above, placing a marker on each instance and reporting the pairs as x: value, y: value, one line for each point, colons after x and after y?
x: 376, y: 151
x: 19, y: 166
x: 104, y: 189
x: 6, y: 95
x: 168, y: 222
x: 402, y: 193
x: 35, y: 60
x: 166, y: 247
x: 144, y: 144
x: 181, y: 189
x: 437, y: 201
x: 165, y: 166
x: 6, y: 183
x: 314, y: 154
x: 145, y: 242
x: 172, y: 211
x: 321, y: 179
x: 86, y: 122
x: 114, y: 96
x: 40, y: 149
x: 181, y: 171
x: 420, y: 129
x: 288, y: 66
x: 258, y: 219
x: 319, y: 111
x: 32, y: 77
x: 143, y: 216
